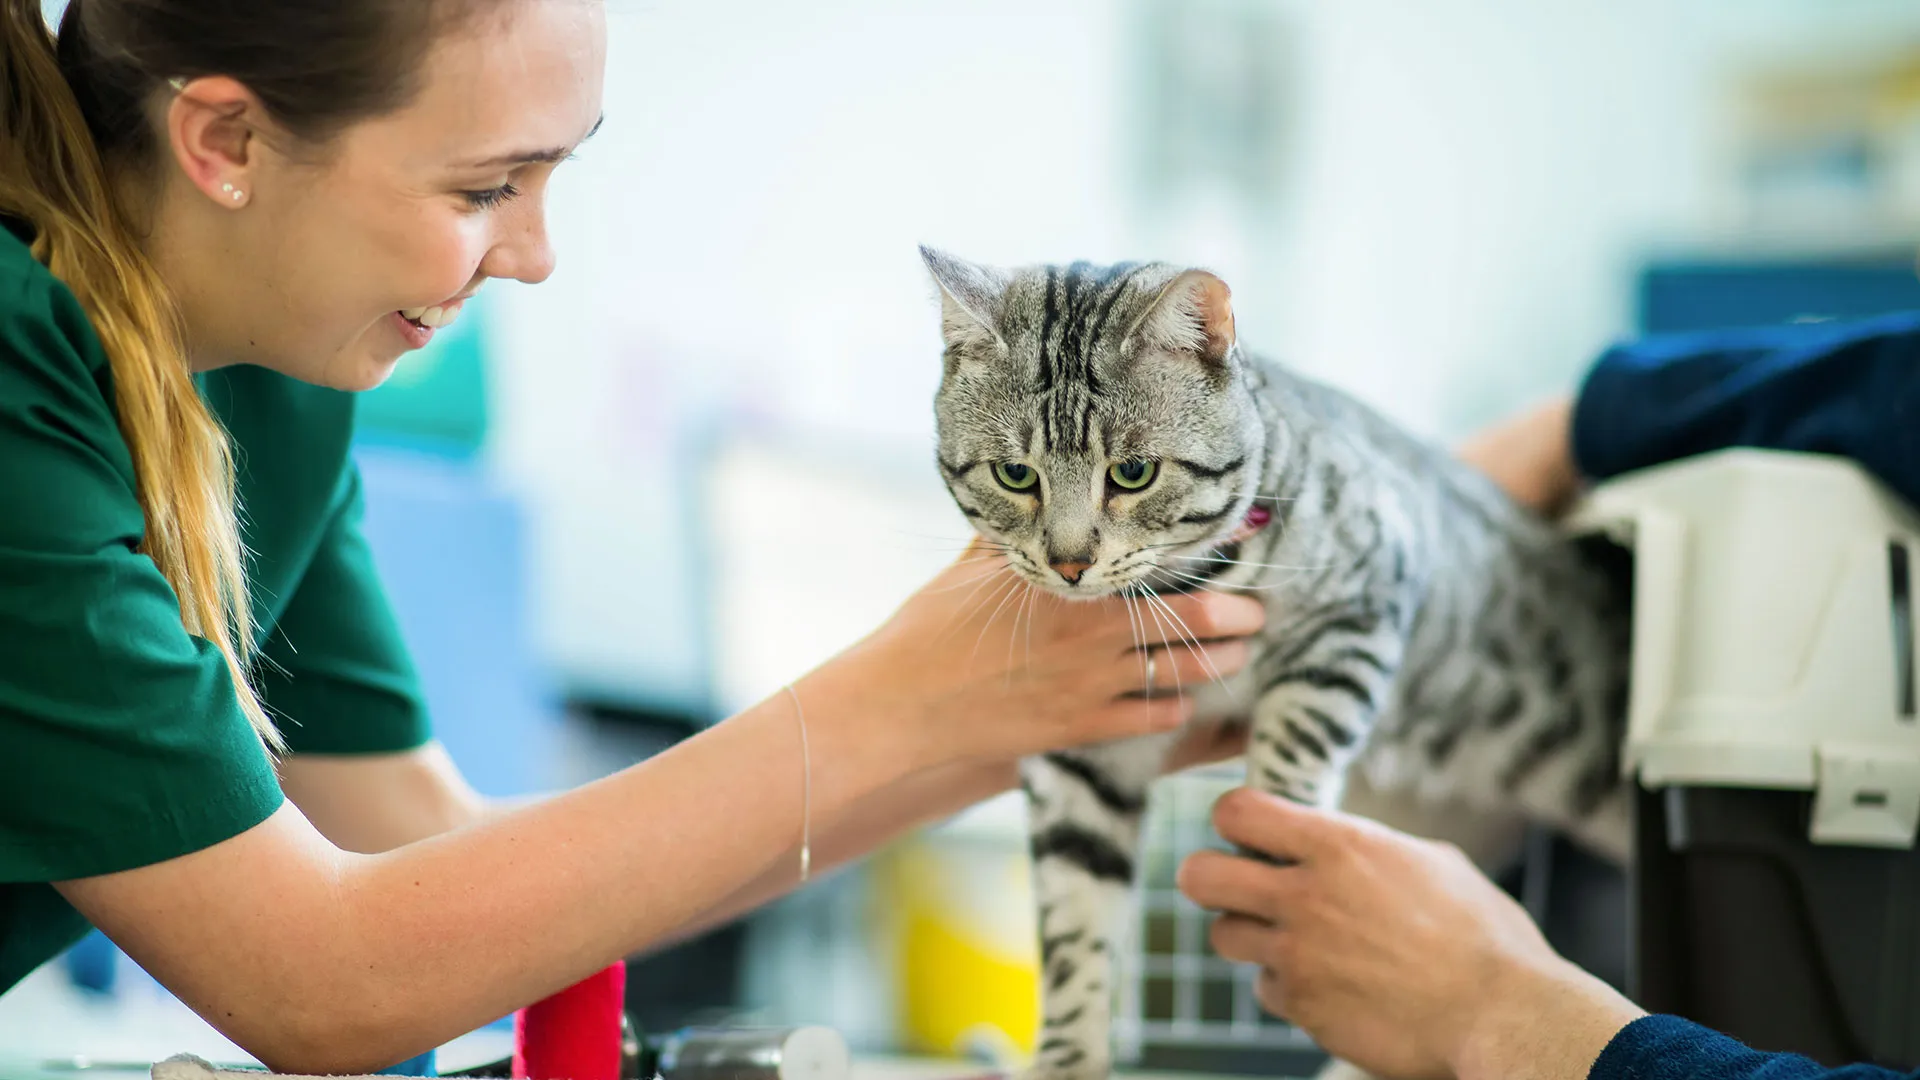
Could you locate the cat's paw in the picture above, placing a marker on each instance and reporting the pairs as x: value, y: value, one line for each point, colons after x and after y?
x: 1340, y: 1070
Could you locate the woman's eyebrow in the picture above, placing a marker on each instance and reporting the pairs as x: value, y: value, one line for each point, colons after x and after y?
x: 532, y: 157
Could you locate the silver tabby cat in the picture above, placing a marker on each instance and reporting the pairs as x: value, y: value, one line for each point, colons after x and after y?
x: 1102, y: 425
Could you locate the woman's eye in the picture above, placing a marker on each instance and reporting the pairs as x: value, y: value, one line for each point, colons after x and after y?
x: 490, y: 197
x: 1133, y: 475
x: 1016, y: 477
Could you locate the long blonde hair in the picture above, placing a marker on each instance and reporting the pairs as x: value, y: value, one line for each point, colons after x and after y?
x: 74, y: 114
x: 52, y: 175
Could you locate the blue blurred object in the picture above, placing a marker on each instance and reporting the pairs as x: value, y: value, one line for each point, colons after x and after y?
x: 1715, y: 295
x: 451, y: 552
x: 438, y: 396
x: 93, y: 964
x: 419, y: 1066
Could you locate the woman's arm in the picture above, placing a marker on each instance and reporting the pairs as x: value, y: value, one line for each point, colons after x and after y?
x: 922, y: 800
x: 319, y: 960
x: 865, y: 827
x: 377, y: 802
x: 371, y: 803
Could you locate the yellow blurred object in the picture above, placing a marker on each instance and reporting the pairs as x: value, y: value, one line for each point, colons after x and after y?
x: 961, y: 905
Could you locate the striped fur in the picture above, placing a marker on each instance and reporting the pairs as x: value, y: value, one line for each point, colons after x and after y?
x: 1421, y: 627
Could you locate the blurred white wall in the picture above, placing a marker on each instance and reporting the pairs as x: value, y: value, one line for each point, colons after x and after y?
x: 744, y: 228
x: 1465, y: 190
x: 1469, y: 186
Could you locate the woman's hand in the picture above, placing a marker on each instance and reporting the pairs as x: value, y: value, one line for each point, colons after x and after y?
x: 981, y: 666
x: 1395, y: 953
x: 1530, y: 456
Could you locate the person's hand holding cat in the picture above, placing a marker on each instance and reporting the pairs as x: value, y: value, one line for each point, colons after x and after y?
x: 1395, y: 953
x: 980, y: 667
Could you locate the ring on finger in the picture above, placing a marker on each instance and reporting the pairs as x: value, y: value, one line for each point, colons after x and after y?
x: 1150, y: 672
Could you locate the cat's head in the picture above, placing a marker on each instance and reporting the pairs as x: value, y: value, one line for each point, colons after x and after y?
x: 1095, y: 420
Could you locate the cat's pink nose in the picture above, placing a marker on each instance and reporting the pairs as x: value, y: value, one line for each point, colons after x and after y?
x: 1070, y: 570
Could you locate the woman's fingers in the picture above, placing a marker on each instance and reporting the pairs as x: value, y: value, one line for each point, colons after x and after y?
x: 1128, y: 717
x: 1181, y: 668
x: 1199, y: 617
x: 994, y: 666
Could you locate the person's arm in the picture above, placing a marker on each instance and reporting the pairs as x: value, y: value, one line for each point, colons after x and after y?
x: 1395, y: 953
x: 1851, y: 389
x: 931, y: 797
x: 1399, y: 956
x: 318, y: 960
x: 371, y: 803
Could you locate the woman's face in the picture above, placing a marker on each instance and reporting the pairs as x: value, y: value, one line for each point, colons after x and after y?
x: 336, y: 263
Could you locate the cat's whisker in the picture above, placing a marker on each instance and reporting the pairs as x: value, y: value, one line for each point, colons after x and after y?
x: 1133, y: 621
x: 1005, y: 595
x: 1215, y: 582
x: 1165, y: 642
x: 1192, y: 640
x: 947, y: 543
x: 1254, y: 565
x: 976, y: 583
x: 968, y: 607
x: 1013, y: 635
x: 948, y: 537
x: 1033, y: 609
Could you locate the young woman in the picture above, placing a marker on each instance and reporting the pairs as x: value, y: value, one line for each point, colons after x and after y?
x: 217, y: 215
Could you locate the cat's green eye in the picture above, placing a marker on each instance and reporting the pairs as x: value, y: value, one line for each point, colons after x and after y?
x: 1133, y: 475
x: 1016, y: 477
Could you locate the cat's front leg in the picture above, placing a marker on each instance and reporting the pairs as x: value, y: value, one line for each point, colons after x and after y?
x: 1315, y: 717
x: 1084, y: 817
x: 1319, y: 706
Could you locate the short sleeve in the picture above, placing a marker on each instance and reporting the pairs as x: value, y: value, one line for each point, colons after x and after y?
x: 124, y: 741
x: 335, y: 670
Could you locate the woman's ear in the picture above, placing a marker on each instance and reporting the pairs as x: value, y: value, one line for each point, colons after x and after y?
x: 212, y: 126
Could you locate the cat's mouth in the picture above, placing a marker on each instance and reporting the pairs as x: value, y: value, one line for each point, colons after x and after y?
x: 1209, y: 559
x: 1258, y: 517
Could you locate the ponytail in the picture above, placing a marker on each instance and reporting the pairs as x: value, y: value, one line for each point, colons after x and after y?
x: 52, y: 175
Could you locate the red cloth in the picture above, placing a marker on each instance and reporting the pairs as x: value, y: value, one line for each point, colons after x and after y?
x: 575, y: 1034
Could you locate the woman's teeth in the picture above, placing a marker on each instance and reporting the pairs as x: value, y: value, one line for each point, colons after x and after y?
x: 431, y: 317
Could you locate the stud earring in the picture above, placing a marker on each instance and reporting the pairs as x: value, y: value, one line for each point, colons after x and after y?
x: 237, y: 194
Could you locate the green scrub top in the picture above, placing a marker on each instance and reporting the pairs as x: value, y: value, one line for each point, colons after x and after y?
x: 121, y: 742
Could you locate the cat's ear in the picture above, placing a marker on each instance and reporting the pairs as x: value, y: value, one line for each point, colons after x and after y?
x: 1193, y: 314
x: 970, y: 300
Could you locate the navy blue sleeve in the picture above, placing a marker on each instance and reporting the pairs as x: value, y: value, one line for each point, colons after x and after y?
x: 1669, y: 1048
x: 1847, y: 388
